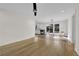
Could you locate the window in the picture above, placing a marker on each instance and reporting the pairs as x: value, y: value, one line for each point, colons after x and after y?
x: 56, y: 30
x: 50, y: 28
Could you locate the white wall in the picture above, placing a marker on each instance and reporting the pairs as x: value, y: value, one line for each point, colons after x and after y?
x: 14, y: 27
x: 77, y: 30
x: 63, y: 26
x: 70, y: 29
x: 73, y: 28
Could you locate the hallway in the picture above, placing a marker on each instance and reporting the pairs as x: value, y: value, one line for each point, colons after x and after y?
x: 39, y: 46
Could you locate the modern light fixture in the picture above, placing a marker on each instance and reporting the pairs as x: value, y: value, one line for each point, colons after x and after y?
x: 35, y: 9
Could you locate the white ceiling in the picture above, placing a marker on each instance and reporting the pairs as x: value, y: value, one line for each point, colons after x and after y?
x: 55, y: 11
x: 46, y: 11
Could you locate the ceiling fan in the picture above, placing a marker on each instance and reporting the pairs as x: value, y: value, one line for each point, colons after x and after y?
x: 35, y: 9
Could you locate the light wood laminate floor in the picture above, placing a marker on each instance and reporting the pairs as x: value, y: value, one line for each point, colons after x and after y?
x: 39, y: 46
